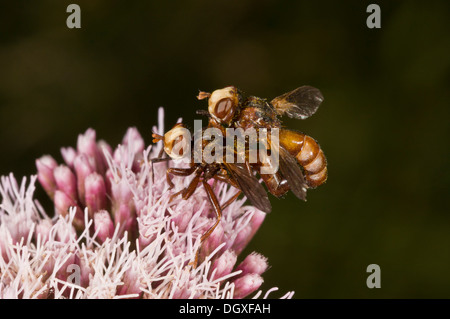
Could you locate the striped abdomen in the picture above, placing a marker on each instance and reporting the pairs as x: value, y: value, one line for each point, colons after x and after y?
x: 308, y: 154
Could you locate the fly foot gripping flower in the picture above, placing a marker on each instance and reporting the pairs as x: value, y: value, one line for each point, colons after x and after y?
x: 114, y: 231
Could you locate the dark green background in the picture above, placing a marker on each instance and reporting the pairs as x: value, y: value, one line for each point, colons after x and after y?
x: 384, y: 124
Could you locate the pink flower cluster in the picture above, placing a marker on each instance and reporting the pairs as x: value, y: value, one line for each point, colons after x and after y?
x: 116, y: 232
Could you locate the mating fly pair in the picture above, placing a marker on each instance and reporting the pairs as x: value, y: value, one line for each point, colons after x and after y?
x: 302, y: 163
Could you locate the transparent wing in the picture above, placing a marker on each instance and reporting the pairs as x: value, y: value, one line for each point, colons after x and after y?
x: 292, y: 172
x: 300, y: 103
x: 250, y: 186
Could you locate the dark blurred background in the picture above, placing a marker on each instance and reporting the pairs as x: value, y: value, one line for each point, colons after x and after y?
x: 384, y: 124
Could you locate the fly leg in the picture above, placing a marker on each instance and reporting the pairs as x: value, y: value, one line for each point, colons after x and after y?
x: 178, y: 172
x: 226, y: 179
x: 231, y: 200
x: 190, y: 189
x: 215, y: 204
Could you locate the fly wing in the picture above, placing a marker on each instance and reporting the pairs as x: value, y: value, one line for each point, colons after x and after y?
x: 250, y: 186
x: 292, y: 172
x: 300, y: 103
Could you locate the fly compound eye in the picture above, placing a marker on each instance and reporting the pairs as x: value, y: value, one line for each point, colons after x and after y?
x: 222, y: 104
x: 178, y: 146
x: 224, y: 109
x: 177, y: 142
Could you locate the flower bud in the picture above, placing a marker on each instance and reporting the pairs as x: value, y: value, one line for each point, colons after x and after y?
x: 125, y: 217
x: 121, y: 192
x: 182, y: 218
x: 242, y: 239
x: 257, y: 220
x: 131, y: 282
x: 63, y: 203
x: 85, y: 270
x: 66, y: 181
x: 103, y: 224
x: 43, y: 230
x: 223, y: 265
x: 253, y: 264
x: 95, y: 193
x: 69, y: 154
x: 82, y: 169
x: 45, y: 166
x: 247, y: 233
x: 245, y: 285
x: 213, y: 241
x: 134, y: 140
x: 102, y: 163
x: 86, y: 144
